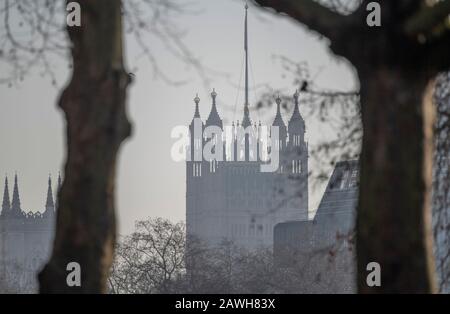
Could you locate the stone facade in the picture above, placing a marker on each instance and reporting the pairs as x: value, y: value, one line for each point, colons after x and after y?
x: 25, y: 241
x: 231, y: 199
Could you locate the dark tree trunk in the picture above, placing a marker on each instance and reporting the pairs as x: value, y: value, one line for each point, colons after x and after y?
x: 94, y: 107
x: 395, y: 63
x: 393, y: 224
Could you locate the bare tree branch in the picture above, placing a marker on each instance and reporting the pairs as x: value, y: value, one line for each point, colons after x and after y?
x: 314, y: 15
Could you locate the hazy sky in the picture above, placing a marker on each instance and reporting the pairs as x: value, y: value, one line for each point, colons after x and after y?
x: 149, y: 182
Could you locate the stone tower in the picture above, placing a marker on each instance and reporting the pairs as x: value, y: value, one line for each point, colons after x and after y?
x: 232, y: 199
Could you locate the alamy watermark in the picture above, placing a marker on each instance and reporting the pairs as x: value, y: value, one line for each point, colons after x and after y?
x: 233, y: 143
x: 373, y: 279
x: 73, y: 18
x: 374, y: 17
x: 73, y: 278
x: 74, y: 14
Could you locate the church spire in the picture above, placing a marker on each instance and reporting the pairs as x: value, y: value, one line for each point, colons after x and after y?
x: 246, y: 120
x: 6, y: 205
x: 197, y: 112
x: 49, y: 204
x: 278, y: 122
x: 15, y: 205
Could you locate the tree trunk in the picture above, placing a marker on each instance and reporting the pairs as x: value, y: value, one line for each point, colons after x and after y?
x: 394, y: 215
x: 395, y: 62
x: 94, y: 107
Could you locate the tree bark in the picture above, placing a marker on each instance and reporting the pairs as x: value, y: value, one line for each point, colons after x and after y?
x: 394, y: 213
x: 94, y: 107
x: 395, y: 63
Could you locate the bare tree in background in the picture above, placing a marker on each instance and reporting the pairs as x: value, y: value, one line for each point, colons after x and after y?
x: 151, y: 260
x: 154, y: 259
x: 338, y: 109
x: 394, y: 212
x: 341, y: 111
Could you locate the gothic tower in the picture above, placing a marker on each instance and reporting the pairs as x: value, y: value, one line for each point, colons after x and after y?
x: 296, y: 157
x: 6, y: 205
x: 194, y: 165
x: 231, y: 198
x: 16, y: 209
x: 25, y: 239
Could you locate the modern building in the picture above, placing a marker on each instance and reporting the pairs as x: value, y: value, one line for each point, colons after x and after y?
x: 323, y: 247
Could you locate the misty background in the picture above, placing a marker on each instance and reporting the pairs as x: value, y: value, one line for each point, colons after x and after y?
x: 149, y: 182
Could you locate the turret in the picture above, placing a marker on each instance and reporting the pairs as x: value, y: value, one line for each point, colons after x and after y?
x: 278, y: 121
x: 298, y: 148
x: 49, y: 204
x: 196, y: 143
x: 16, y: 209
x: 196, y: 136
x: 6, y: 205
x: 214, y: 118
x: 296, y: 126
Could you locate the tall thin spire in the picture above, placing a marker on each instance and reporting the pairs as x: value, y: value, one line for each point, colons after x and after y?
x: 246, y: 56
x: 6, y: 205
x: 49, y: 203
x: 246, y: 120
x: 15, y: 205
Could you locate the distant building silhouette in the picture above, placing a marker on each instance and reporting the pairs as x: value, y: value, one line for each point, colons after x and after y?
x: 234, y: 200
x: 25, y: 239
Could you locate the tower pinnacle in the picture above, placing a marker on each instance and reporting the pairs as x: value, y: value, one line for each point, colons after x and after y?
x: 296, y: 113
x: 214, y: 118
x: 246, y: 120
x: 278, y: 121
x: 49, y: 204
x: 197, y: 112
x: 15, y: 205
x: 6, y: 205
